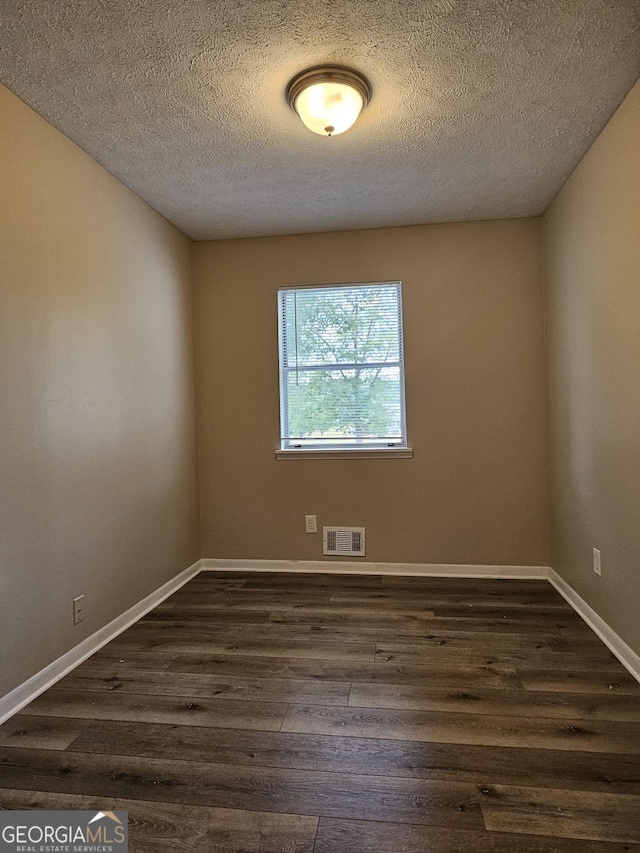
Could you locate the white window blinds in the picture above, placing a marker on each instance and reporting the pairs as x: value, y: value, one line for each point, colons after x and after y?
x: 341, y: 366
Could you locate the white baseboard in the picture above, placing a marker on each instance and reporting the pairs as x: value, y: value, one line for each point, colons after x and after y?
x: 625, y: 654
x: 447, y: 570
x: 47, y: 677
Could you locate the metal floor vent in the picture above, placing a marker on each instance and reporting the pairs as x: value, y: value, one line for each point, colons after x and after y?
x: 341, y: 541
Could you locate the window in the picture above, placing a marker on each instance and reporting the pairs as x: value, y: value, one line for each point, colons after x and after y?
x: 341, y: 367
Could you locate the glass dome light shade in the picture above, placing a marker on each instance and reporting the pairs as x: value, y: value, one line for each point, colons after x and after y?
x: 328, y: 98
x: 329, y: 108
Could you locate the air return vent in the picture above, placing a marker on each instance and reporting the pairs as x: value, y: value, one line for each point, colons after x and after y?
x: 343, y: 541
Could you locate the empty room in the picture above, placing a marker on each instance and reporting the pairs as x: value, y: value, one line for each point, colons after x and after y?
x: 320, y: 426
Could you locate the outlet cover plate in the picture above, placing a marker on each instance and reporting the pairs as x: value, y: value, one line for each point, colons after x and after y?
x: 78, y: 610
x: 597, y: 562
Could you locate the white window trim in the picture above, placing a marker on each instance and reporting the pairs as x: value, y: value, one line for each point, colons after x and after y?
x: 401, y: 451
x: 364, y: 453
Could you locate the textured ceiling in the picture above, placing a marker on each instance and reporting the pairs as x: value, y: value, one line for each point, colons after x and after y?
x: 480, y: 109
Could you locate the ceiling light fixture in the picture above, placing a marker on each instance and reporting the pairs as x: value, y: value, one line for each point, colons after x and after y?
x: 328, y: 98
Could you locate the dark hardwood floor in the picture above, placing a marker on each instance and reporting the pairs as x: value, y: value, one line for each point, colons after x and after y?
x: 344, y: 714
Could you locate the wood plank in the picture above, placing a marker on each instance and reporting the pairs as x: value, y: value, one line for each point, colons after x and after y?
x: 222, y: 617
x: 470, y: 611
x: 443, y: 594
x: 415, y: 583
x: 477, y: 600
x: 483, y: 729
x: 40, y: 732
x: 180, y: 641
x: 416, y: 623
x: 515, y: 703
x: 363, y: 756
x: 230, y: 786
x: 228, y: 574
x: 443, y: 672
x: 302, y: 579
x: 564, y: 814
x: 564, y: 620
x: 209, y: 686
x: 167, y: 827
x: 585, y: 659
x: 214, y: 583
x: 109, y: 655
x: 480, y: 642
x: 316, y: 629
x: 358, y: 836
x: 461, y: 584
x: 311, y: 604
x: 617, y: 681
x: 203, y: 625
x: 183, y: 710
x: 326, y: 585
x: 262, y: 600
x: 568, y: 639
x: 299, y: 580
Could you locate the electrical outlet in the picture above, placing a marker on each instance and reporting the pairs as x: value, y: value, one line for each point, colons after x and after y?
x: 310, y: 524
x: 597, y: 562
x: 78, y: 610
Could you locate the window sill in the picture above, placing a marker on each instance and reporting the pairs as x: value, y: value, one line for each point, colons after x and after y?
x: 364, y: 453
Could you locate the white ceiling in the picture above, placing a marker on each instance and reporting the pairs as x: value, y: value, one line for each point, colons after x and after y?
x: 480, y: 109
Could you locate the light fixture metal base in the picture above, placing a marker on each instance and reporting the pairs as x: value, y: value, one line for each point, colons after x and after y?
x: 323, y: 74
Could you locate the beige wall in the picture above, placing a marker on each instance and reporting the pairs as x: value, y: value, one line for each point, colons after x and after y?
x: 476, y: 489
x: 98, y: 489
x: 592, y: 262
